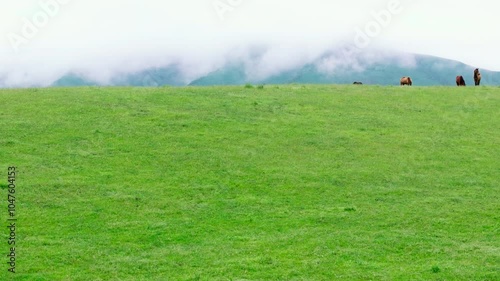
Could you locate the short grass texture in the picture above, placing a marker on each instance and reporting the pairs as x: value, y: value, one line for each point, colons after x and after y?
x: 291, y: 182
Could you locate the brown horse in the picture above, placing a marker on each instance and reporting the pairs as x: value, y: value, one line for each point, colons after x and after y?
x: 406, y: 81
x: 460, y: 81
x: 477, y: 77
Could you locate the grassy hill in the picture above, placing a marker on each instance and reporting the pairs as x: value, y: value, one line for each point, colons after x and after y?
x: 232, y: 183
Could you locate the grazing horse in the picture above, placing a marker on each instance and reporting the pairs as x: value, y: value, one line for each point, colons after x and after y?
x: 460, y: 81
x: 406, y: 81
x: 357, y: 83
x: 477, y: 77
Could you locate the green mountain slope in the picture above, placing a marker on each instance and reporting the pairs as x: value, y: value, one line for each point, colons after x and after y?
x: 427, y: 71
x: 424, y: 70
x: 72, y: 79
x: 230, y: 75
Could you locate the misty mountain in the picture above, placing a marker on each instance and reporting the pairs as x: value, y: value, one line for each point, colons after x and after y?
x: 153, y: 77
x: 334, y: 67
x: 233, y: 74
x: 71, y: 80
x: 426, y: 71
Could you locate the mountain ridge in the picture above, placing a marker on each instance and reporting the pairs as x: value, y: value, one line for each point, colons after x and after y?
x: 334, y: 67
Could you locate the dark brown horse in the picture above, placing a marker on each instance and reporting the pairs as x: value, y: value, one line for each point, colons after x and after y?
x: 357, y: 83
x: 477, y: 77
x: 406, y: 81
x: 460, y: 81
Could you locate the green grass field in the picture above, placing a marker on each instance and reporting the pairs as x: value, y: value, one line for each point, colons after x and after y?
x: 293, y: 182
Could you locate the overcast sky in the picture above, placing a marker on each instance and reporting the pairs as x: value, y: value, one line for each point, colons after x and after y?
x: 43, y: 39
